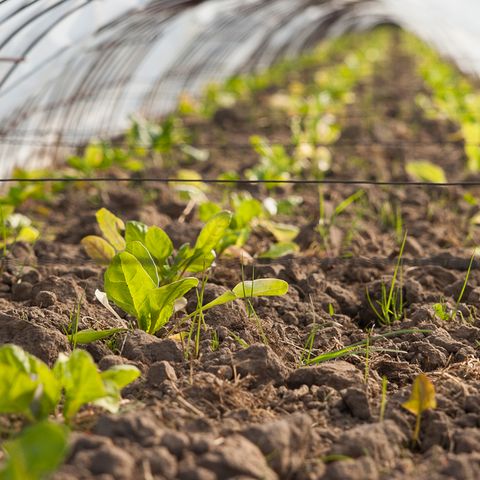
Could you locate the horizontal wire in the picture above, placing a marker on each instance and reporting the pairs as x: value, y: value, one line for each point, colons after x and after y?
x: 54, y: 144
x: 326, y: 181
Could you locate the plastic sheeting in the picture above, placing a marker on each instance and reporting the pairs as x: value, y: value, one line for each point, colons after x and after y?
x: 73, y: 70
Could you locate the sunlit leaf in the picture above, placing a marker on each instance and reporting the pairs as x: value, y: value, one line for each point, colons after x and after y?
x: 111, y: 226
x: 36, y: 452
x: 426, y: 172
x: 98, y: 249
x: 422, y: 397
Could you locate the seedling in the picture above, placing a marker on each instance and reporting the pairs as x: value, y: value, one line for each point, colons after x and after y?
x: 275, y: 163
x: 391, y: 217
x: 359, y: 347
x: 36, y: 452
x: 307, y: 350
x: 442, y: 310
x: 421, y: 399
x: 328, y: 220
x: 30, y: 388
x: 15, y: 227
x: 389, y: 308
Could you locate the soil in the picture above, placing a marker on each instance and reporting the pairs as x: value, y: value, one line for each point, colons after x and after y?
x: 249, y: 410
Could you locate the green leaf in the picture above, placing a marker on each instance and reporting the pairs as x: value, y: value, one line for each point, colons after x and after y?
x: 225, y: 297
x: 213, y: 232
x: 426, y: 172
x: 140, y: 252
x: 98, y: 249
x: 89, y: 335
x: 245, y: 211
x: 279, y: 249
x: 27, y: 234
x: 114, y: 379
x: 207, y: 210
x: 36, y: 452
x: 159, y: 244
x: 80, y: 379
x: 111, y: 226
x: 260, y: 287
x: 127, y: 284
x: 27, y: 385
x: 161, y: 302
x: 135, y: 231
x: 250, y: 288
x: 282, y: 232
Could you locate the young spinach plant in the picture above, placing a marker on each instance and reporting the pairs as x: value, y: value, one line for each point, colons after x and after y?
x: 145, y: 277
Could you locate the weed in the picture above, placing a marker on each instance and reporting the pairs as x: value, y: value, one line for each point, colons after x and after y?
x: 389, y: 308
x: 391, y: 217
x: 442, y: 309
x: 326, y: 220
x: 359, y: 347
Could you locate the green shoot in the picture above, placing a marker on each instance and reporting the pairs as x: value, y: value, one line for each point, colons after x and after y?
x: 441, y: 309
x: 359, y: 347
x: 389, y: 308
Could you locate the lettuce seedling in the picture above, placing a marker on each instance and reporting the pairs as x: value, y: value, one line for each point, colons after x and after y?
x: 15, y: 227
x: 146, y: 278
x: 153, y: 248
x: 82, y: 383
x: 29, y: 387
x: 36, y: 452
x: 246, y: 211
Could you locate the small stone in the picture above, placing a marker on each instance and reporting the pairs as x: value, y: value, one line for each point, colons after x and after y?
x: 160, y: 372
x: 114, y: 461
x: 383, y: 442
x: 428, y: 356
x: 45, y: 299
x: 45, y: 343
x: 110, y: 361
x: 356, y: 401
x: 162, y: 462
x: 436, y: 430
x: 464, y: 466
x: 21, y: 291
x: 262, y: 363
x: 228, y: 460
x: 467, y: 440
x: 338, y: 375
x: 472, y: 403
x: 141, y: 427
x: 175, y: 442
x: 284, y: 442
x: 199, y: 444
x: 31, y: 276
x: 141, y: 346
x: 196, y: 473
x: 361, y: 469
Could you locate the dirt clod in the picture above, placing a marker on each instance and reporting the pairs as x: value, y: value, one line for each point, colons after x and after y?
x: 338, y: 375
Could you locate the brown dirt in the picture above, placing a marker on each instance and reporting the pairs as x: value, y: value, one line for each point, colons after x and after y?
x: 253, y: 412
